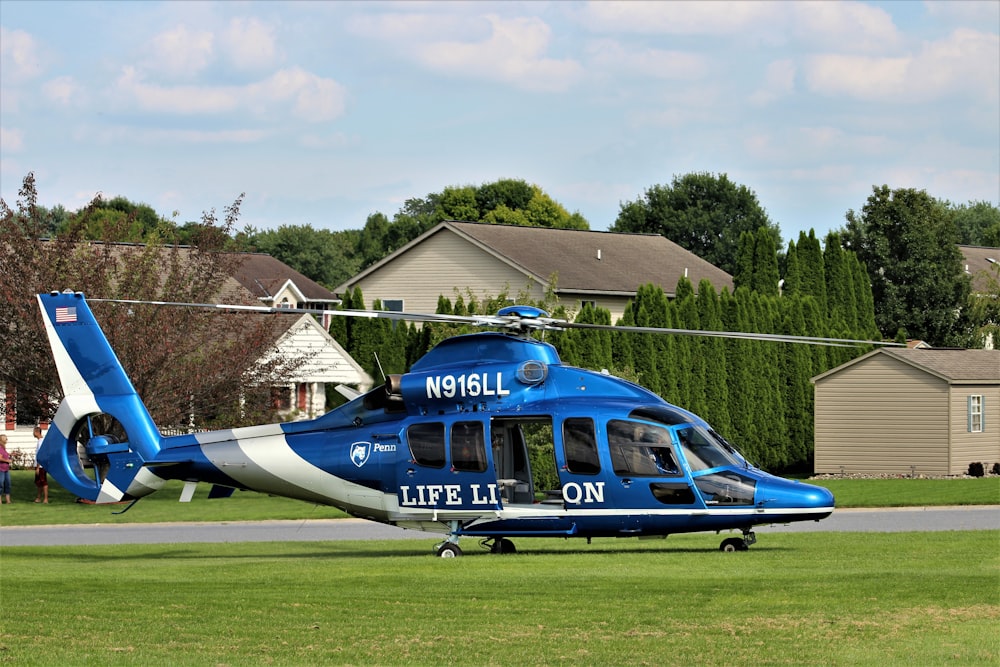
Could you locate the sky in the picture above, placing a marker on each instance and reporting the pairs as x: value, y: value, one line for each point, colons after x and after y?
x: 323, y: 113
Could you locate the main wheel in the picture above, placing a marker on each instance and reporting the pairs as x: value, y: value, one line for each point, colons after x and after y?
x: 502, y: 545
x: 733, y: 544
x: 449, y: 550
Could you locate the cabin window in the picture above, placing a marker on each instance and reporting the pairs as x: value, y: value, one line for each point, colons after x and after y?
x: 975, y: 414
x: 580, y: 446
x: 641, y: 450
x: 426, y: 443
x: 468, y: 447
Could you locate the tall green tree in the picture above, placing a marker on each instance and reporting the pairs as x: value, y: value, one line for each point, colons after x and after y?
x: 701, y: 212
x: 328, y: 257
x: 909, y: 244
x: 182, y: 361
x: 978, y: 223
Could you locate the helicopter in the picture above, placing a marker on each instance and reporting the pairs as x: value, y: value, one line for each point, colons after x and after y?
x: 447, y: 447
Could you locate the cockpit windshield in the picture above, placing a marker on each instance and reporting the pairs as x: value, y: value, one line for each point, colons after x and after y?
x: 703, y: 451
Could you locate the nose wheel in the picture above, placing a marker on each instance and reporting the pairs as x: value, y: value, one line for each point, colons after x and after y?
x: 739, y: 543
x: 448, y: 550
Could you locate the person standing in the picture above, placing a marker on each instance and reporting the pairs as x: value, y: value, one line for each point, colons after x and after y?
x: 4, y: 469
x: 41, y: 477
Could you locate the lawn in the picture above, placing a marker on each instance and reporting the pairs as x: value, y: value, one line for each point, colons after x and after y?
x: 799, y: 599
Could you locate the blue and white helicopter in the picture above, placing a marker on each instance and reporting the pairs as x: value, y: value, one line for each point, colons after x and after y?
x: 443, y: 448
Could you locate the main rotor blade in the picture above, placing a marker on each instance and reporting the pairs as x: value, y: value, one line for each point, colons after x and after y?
x: 484, y: 320
x: 515, y: 322
x: 777, y: 338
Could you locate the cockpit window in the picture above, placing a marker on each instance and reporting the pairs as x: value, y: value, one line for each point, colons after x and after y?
x: 641, y: 450
x: 702, y: 451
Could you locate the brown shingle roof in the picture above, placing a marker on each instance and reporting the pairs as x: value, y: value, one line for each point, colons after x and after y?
x: 953, y: 365
x: 589, y: 261
x: 978, y: 265
x: 263, y: 276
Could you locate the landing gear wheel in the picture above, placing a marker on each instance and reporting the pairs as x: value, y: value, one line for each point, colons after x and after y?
x: 733, y: 544
x: 502, y: 545
x: 449, y: 550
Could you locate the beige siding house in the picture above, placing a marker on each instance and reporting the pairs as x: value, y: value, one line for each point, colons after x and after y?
x: 602, y: 268
x: 913, y: 411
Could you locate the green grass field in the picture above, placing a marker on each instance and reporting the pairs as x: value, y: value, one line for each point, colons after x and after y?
x: 798, y: 599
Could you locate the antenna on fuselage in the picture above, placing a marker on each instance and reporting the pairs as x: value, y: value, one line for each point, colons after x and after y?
x: 379, y: 364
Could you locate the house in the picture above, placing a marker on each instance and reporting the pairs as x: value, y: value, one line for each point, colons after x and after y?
x: 983, y: 265
x: 909, y: 411
x: 602, y: 268
x: 300, y: 395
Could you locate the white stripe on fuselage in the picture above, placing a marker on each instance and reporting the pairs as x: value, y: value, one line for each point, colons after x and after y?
x: 266, y: 463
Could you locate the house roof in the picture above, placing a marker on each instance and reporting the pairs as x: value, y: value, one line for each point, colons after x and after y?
x: 982, y: 264
x: 584, y: 261
x: 955, y: 366
x: 264, y: 277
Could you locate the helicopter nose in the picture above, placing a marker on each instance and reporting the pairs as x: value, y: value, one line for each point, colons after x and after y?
x: 793, y: 494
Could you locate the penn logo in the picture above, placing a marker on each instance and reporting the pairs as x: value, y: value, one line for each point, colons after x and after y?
x: 360, y: 451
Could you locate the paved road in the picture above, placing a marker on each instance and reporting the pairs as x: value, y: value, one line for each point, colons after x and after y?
x: 881, y: 520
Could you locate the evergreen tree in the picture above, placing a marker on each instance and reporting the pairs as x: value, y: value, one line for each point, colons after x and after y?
x: 592, y: 347
x: 792, y: 282
x: 716, y: 383
x: 765, y: 263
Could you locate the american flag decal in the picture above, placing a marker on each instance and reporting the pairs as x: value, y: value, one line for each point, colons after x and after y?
x: 65, y: 314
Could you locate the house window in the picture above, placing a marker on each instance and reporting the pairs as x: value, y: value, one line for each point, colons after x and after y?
x: 584, y: 304
x: 281, y: 398
x: 392, y: 305
x: 976, y: 414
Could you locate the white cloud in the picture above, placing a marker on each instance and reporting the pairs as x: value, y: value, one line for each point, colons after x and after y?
x: 966, y: 62
x: 779, y: 81
x: 642, y: 63
x: 11, y: 140
x: 844, y: 26
x: 683, y: 18
x: 820, y: 143
x: 514, y: 52
x: 175, y: 99
x: 967, y: 12
x: 304, y: 95
x: 19, y: 57
x: 313, y: 98
x: 249, y: 44
x: 181, y: 52
x: 63, y: 90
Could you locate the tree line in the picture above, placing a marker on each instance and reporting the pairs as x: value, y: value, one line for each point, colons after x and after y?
x: 893, y: 271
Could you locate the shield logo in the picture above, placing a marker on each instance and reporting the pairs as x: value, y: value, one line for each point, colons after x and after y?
x: 360, y: 451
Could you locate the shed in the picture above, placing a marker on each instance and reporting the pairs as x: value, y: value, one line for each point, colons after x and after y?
x: 909, y: 411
